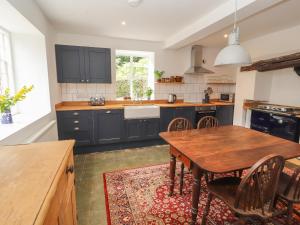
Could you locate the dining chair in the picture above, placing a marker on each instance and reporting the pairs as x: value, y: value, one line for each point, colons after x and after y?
x: 289, y: 191
x: 253, y: 196
x: 207, y: 122
x: 180, y: 124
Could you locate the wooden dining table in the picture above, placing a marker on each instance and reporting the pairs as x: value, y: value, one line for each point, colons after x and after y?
x: 221, y: 150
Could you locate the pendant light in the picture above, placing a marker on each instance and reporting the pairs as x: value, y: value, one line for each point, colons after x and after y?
x: 234, y: 53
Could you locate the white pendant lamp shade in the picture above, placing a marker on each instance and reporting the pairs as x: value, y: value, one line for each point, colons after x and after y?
x: 234, y: 53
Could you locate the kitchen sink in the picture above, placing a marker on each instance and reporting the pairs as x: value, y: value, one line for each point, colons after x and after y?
x: 141, y: 111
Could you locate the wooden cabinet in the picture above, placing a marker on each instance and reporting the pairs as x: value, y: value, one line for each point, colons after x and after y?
x: 76, y: 125
x: 62, y: 209
x: 225, y: 114
x: 168, y: 114
x: 108, y: 126
x: 142, y: 129
x: 77, y: 64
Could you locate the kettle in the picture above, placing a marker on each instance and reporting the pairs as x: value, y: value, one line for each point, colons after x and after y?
x: 172, y: 98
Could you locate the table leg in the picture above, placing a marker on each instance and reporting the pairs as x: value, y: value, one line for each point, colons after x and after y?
x: 172, y: 173
x: 197, y: 174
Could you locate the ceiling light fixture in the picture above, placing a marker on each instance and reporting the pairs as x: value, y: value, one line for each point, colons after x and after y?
x: 225, y: 35
x: 123, y: 23
x: 134, y: 3
x: 234, y: 53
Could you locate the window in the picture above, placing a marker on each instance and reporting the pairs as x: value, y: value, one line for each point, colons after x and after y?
x: 6, y: 80
x: 134, y: 73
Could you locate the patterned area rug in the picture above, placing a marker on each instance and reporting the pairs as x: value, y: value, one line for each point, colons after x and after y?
x: 140, y: 197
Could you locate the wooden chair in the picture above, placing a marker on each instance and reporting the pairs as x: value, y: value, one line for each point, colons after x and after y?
x: 289, y: 192
x: 207, y: 122
x: 254, y: 195
x: 180, y: 124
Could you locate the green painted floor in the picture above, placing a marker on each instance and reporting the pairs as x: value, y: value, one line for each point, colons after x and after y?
x: 89, y: 182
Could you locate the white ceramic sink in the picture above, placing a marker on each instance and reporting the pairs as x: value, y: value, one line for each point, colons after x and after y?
x: 141, y: 111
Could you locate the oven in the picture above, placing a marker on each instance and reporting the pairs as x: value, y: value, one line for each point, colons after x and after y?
x: 276, y: 124
x: 202, y: 111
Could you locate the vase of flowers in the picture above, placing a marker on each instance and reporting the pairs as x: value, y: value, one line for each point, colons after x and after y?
x: 7, y: 101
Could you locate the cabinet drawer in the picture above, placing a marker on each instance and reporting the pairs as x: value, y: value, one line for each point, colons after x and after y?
x: 75, y: 114
x: 179, y: 156
x: 76, y: 124
x: 64, y: 185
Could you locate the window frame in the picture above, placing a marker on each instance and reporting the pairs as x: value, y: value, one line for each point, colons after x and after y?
x: 150, y: 66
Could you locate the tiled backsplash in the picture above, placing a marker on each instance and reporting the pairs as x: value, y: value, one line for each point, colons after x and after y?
x: 191, y: 91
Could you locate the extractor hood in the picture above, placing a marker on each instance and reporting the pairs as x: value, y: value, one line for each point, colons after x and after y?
x: 196, y: 62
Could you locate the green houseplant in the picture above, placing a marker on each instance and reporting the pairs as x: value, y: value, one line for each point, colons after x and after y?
x: 148, y: 93
x: 7, y: 101
x: 158, y: 75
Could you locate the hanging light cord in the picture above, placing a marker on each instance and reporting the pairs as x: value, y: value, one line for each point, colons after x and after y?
x: 235, y: 16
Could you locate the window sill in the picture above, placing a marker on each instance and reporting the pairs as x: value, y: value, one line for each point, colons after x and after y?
x: 20, y: 121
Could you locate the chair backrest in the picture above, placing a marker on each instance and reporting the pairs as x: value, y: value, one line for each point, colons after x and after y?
x: 292, y: 189
x: 207, y: 122
x: 180, y: 124
x: 258, y: 188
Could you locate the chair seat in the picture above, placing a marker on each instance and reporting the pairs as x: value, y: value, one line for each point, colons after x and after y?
x: 283, y: 182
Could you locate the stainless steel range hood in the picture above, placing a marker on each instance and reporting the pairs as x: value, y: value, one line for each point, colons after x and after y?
x: 196, y: 62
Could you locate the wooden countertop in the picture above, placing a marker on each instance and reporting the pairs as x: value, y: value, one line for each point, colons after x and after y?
x: 27, y: 175
x: 68, y: 106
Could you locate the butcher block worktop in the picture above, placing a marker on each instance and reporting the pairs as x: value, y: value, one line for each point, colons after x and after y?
x: 29, y: 176
x: 65, y: 106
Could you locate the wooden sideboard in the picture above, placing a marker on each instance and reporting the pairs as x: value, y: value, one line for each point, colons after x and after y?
x: 37, y: 184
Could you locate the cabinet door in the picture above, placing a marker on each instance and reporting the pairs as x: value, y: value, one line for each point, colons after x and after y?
x: 67, y: 215
x: 185, y: 112
x: 70, y: 64
x: 98, y: 65
x: 166, y: 116
x: 76, y: 125
x: 134, y: 130
x: 109, y: 126
x: 151, y: 129
x: 225, y: 115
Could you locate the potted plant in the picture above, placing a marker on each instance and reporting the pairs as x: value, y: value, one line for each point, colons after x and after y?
x: 7, y: 101
x: 148, y: 93
x: 158, y: 75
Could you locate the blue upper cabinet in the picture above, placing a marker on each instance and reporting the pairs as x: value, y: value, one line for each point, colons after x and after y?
x: 83, y: 64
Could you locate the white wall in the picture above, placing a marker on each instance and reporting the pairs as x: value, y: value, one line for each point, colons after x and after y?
x: 32, y: 13
x: 173, y: 62
x: 278, y: 86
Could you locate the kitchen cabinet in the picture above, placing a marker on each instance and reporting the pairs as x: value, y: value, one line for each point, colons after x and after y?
x: 168, y: 114
x: 142, y: 129
x: 225, y: 114
x: 76, y: 125
x: 108, y: 126
x: 39, y: 187
x: 77, y: 64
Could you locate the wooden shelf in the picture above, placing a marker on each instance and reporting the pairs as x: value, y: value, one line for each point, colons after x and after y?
x: 169, y: 82
x: 228, y: 83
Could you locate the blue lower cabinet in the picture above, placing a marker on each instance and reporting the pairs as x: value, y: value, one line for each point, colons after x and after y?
x: 168, y: 114
x: 108, y: 126
x: 225, y: 114
x: 76, y: 125
x: 142, y: 129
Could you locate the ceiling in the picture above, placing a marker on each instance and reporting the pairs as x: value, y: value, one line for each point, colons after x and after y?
x: 278, y: 17
x: 153, y: 20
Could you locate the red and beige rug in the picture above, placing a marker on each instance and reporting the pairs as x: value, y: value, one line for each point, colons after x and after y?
x: 140, y: 197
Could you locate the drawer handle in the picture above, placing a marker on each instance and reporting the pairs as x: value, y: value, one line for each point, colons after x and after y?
x: 87, y: 80
x: 108, y: 112
x: 70, y: 169
x: 82, y: 80
x: 76, y: 121
x: 76, y: 128
x: 75, y: 113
